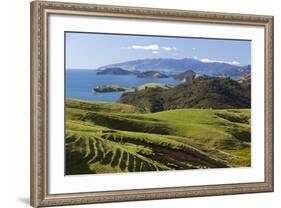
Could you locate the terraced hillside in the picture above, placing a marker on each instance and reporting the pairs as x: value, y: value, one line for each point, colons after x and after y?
x: 110, y: 137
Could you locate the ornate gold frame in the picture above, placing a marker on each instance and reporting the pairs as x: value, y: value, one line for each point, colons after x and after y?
x: 39, y: 103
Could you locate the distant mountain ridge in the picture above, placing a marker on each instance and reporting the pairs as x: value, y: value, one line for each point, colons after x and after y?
x: 176, y: 66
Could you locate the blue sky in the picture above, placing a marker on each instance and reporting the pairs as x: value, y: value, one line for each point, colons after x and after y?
x: 90, y: 50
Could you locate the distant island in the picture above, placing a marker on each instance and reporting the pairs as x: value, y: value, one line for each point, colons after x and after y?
x: 118, y: 88
x: 121, y: 71
x: 111, y: 88
x: 115, y: 71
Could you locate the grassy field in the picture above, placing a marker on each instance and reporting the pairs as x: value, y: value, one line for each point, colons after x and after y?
x: 110, y: 137
x: 153, y: 85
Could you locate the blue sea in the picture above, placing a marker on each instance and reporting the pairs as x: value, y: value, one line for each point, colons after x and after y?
x: 79, y: 84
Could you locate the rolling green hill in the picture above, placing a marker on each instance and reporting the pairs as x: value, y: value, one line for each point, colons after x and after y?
x: 203, y: 92
x: 153, y: 85
x: 110, y: 137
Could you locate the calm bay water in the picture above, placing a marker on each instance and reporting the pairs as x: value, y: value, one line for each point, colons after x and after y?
x: 79, y: 84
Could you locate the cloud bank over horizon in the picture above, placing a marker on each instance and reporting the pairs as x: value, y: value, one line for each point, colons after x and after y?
x: 154, y: 48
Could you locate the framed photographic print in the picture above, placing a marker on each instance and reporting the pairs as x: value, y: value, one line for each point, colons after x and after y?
x: 144, y: 103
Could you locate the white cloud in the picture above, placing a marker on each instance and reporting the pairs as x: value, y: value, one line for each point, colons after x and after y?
x: 220, y: 61
x: 166, y: 48
x: 235, y: 62
x: 151, y: 47
x: 195, y: 57
x: 145, y: 47
x: 155, y: 52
